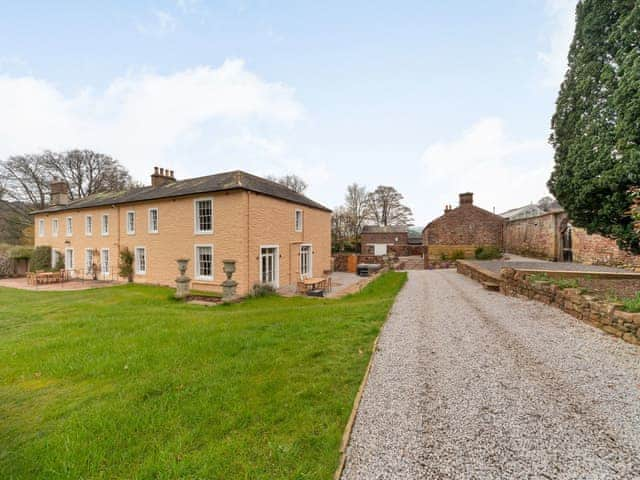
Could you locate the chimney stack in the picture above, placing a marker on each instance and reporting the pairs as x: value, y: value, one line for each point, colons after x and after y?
x: 59, y: 192
x: 466, y: 198
x: 161, y: 176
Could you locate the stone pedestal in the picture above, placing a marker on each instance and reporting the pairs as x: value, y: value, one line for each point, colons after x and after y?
x: 182, y: 282
x: 229, y: 286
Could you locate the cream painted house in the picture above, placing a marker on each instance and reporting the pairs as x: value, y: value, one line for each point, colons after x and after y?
x: 275, y: 235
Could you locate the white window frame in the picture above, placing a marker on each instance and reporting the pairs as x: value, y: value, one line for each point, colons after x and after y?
x: 104, y: 231
x: 102, y: 263
x: 298, y: 228
x: 196, y: 216
x: 88, y: 225
x: 55, y: 227
x: 131, y: 229
x: 196, y: 263
x: 309, y: 274
x: 137, y: 264
x: 68, y: 226
x: 66, y: 257
x: 41, y: 227
x: 157, y: 229
x: 88, y: 252
x: 276, y: 266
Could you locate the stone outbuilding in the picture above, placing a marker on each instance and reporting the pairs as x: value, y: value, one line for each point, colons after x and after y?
x: 465, y: 228
x: 379, y: 239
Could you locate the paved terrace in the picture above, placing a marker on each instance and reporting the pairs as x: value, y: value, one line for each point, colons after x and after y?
x: 22, y: 284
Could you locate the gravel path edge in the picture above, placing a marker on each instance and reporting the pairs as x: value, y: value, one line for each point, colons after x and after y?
x: 348, y: 429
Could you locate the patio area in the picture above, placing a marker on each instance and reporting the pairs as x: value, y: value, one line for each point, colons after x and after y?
x: 68, y: 285
x: 342, y: 283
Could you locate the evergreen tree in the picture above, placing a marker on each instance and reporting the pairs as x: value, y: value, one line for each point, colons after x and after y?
x: 595, y: 126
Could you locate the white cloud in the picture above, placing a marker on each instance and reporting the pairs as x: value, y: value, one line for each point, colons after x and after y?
x: 561, y: 14
x: 160, y: 24
x: 503, y: 172
x: 183, y: 120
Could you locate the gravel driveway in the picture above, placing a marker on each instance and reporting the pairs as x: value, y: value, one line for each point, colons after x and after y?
x: 468, y: 383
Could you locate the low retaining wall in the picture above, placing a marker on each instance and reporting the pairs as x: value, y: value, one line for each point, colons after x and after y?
x: 477, y: 273
x: 597, y: 312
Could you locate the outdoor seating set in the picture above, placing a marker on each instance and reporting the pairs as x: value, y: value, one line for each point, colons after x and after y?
x: 41, y: 277
x: 314, y: 286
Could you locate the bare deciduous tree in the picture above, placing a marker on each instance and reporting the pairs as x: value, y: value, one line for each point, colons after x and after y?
x: 293, y: 182
x: 26, y: 178
x: 385, y: 207
x: 355, y: 209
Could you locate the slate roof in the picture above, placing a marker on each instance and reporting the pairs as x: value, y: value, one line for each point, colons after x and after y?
x: 384, y: 229
x: 235, y: 180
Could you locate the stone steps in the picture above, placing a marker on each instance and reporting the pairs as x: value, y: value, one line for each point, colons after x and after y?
x: 412, y: 263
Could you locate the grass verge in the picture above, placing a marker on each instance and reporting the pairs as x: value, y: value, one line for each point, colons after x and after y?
x: 121, y: 382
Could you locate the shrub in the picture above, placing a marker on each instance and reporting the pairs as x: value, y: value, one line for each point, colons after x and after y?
x: 632, y: 304
x: 41, y: 258
x: 5, y: 265
x: 18, y: 252
x: 443, y: 256
x: 262, y: 290
x: 487, y: 252
x: 59, y: 264
x: 562, y: 283
x: 457, y: 255
x: 126, y: 264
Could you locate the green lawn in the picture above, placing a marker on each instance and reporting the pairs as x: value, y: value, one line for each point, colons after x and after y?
x: 125, y: 382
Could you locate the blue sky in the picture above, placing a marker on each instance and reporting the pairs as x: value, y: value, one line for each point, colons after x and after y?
x: 431, y: 97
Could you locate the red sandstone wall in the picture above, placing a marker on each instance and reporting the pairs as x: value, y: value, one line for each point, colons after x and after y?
x: 599, y: 250
x: 465, y: 225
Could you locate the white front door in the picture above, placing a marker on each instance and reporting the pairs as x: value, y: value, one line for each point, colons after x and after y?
x: 305, y: 261
x: 269, y: 266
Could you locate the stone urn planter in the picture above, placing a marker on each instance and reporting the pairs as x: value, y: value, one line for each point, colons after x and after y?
x: 229, y: 285
x: 182, y: 265
x: 182, y: 282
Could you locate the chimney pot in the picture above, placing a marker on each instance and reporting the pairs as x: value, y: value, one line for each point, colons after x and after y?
x: 466, y: 198
x: 161, y: 176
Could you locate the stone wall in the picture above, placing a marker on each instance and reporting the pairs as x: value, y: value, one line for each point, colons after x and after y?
x: 590, y: 309
x: 599, y: 313
x: 599, y: 250
x: 465, y: 227
x: 405, y: 250
x: 532, y: 237
x: 541, y: 237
